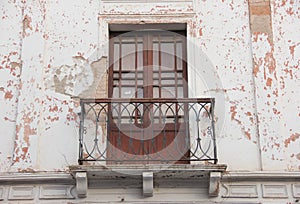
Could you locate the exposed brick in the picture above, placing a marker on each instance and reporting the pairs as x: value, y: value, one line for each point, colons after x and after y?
x: 260, y: 17
x: 260, y: 9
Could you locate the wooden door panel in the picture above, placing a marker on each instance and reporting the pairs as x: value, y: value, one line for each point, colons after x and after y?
x: 148, y: 65
x: 158, y: 144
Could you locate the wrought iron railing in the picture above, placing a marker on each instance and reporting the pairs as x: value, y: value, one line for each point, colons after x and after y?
x: 147, y: 131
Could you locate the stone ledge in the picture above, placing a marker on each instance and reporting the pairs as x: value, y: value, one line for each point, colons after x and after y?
x: 35, y: 178
x: 95, y: 175
x: 159, y: 171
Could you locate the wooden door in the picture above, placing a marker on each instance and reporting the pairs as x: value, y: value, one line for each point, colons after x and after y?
x: 147, y: 65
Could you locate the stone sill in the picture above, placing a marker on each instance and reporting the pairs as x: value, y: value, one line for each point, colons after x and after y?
x: 91, y: 176
x: 159, y: 171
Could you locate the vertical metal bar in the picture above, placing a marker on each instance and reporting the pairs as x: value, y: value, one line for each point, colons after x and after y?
x: 159, y: 76
x: 136, y: 55
x: 81, y: 132
x: 120, y: 75
x: 175, y: 68
x: 136, y: 75
x: 159, y: 67
x: 108, y: 132
x: 213, y: 129
x: 187, y: 129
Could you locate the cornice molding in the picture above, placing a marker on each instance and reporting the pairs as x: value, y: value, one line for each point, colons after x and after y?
x: 36, y: 178
x: 146, y: 1
x: 261, y: 175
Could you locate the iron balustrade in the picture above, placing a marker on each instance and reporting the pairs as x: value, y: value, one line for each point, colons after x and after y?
x: 147, y: 131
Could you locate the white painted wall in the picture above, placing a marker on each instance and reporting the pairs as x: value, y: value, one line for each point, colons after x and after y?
x: 10, y: 68
x: 57, y: 41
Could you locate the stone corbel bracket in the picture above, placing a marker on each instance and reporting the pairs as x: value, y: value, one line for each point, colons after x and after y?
x: 214, y: 184
x: 81, y: 184
x: 148, y: 184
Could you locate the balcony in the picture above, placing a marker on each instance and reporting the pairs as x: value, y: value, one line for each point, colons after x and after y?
x: 147, y: 131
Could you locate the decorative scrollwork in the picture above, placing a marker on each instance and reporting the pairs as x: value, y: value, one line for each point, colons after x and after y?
x: 147, y: 130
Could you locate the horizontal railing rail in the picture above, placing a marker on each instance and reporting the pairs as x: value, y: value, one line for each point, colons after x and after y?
x: 147, y: 131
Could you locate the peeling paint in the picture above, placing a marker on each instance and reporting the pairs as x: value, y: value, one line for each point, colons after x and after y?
x: 69, y: 59
x: 82, y: 79
x: 292, y: 138
x: 298, y: 156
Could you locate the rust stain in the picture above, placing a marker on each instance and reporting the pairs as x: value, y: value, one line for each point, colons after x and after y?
x: 71, y: 116
x: 14, y: 66
x: 283, y: 2
x: 17, y: 159
x: 53, y: 109
x: 243, y: 129
x: 269, y: 82
x: 275, y: 111
x: 252, y: 120
x: 24, y: 152
x: 10, y: 120
x: 273, y: 157
x: 192, y: 28
x: 282, y: 83
x: 200, y: 32
x: 28, y: 131
x: 233, y: 112
x: 18, y: 128
x: 46, y: 37
x: 24, y: 147
x: 8, y: 95
x: 290, y: 72
x: 292, y: 138
x: 275, y: 92
x: 27, y: 170
x: 248, y: 135
x: 255, y: 37
x: 290, y: 11
x: 255, y: 69
x: 270, y: 60
x: 26, y: 24
x: 79, y: 56
x: 52, y: 119
x: 292, y: 49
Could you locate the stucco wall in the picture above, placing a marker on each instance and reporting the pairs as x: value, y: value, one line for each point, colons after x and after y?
x: 10, y: 69
x: 50, y: 51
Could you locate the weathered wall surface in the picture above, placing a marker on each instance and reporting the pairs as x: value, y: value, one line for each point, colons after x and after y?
x: 276, y: 70
x: 286, y: 32
x: 62, y: 49
x: 32, y: 89
x: 71, y: 38
x: 286, y: 23
x: 221, y: 32
x: 55, y: 43
x: 10, y: 70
